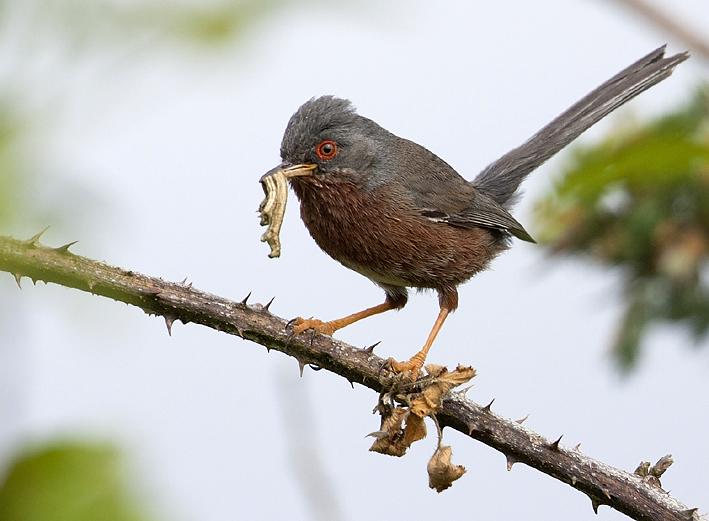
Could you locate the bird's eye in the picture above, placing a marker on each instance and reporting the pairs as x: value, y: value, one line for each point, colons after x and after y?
x: 326, y: 150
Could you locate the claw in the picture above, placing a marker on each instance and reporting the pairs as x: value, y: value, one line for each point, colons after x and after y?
x: 414, y: 365
x: 385, y: 366
x: 292, y: 333
x: 292, y: 321
x: 318, y: 326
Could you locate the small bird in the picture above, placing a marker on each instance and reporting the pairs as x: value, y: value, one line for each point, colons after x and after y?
x: 393, y: 211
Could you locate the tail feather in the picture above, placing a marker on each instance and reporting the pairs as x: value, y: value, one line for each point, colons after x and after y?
x: 501, y: 179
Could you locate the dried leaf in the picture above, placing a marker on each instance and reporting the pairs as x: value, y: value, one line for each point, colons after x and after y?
x: 429, y: 399
x: 390, y: 437
x: 394, y: 440
x: 441, y: 472
x: 461, y: 375
x: 436, y: 370
x: 415, y: 429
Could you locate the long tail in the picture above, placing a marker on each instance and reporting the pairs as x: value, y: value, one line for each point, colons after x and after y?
x: 501, y: 179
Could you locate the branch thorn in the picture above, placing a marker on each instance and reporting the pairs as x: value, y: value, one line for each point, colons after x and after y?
x: 463, y: 392
x: 265, y: 308
x: 370, y: 349
x: 65, y: 248
x: 35, y: 240
x: 18, y: 279
x: 169, y: 320
x: 522, y: 420
x: 511, y: 460
x: 487, y: 407
x: 302, y: 366
x: 246, y: 298
x: 555, y: 446
x: 595, y: 504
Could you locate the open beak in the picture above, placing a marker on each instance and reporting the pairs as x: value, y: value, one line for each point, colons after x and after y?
x: 291, y: 171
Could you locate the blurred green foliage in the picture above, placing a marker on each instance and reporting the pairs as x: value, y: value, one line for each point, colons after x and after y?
x: 67, y: 482
x: 9, y: 167
x: 639, y: 201
x: 47, y: 45
x: 97, y: 22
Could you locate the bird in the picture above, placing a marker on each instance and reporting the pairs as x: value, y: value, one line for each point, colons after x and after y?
x: 395, y: 212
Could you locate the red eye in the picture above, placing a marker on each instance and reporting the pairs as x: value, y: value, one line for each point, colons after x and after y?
x: 326, y: 150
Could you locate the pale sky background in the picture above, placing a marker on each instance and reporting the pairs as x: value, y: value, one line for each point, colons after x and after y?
x: 153, y: 159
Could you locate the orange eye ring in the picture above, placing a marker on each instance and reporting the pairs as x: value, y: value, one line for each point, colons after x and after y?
x: 326, y: 150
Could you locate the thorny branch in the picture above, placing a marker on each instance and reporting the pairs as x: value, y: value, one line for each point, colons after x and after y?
x: 637, y: 495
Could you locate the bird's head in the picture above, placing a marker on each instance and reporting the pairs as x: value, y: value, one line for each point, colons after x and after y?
x: 326, y: 137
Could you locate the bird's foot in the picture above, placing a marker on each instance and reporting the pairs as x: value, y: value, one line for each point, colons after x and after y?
x: 414, y: 364
x: 318, y: 326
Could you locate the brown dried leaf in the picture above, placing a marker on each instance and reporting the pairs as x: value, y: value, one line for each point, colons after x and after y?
x: 391, y: 421
x: 461, y: 375
x: 390, y: 438
x: 441, y: 472
x: 394, y: 440
x: 429, y: 399
x: 436, y: 370
x: 415, y: 429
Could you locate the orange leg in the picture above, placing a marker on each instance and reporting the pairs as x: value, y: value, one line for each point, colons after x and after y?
x: 416, y: 362
x: 328, y: 328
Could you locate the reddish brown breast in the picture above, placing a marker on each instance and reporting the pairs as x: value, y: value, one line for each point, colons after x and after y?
x: 366, y: 231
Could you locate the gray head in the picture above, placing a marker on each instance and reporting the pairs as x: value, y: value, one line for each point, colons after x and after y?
x: 328, y: 132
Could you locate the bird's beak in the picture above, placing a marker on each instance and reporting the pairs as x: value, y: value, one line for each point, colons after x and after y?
x: 291, y: 170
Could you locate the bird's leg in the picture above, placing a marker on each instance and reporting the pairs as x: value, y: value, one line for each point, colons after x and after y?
x: 416, y: 362
x: 448, y: 300
x: 397, y: 301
